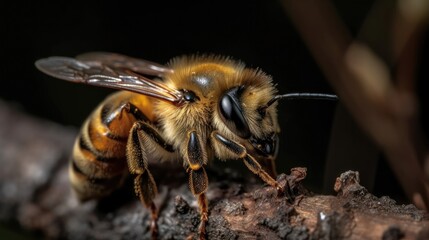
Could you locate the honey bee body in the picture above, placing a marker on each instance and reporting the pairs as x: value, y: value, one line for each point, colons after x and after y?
x: 195, y: 109
x: 99, y: 163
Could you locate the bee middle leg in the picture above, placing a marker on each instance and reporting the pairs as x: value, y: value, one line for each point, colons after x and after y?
x: 195, y: 158
x: 142, y: 142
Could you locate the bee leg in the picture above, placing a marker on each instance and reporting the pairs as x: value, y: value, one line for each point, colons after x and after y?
x: 239, y: 151
x: 145, y: 189
x: 270, y: 167
x: 195, y: 158
x: 142, y: 138
x: 199, y: 177
x: 256, y: 168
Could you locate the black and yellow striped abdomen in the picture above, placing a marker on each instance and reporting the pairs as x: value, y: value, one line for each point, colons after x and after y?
x: 98, y: 165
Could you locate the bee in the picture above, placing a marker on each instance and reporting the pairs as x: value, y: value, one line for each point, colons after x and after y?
x: 194, y: 109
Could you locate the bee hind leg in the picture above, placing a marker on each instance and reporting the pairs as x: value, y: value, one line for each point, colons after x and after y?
x: 142, y: 138
x: 145, y: 189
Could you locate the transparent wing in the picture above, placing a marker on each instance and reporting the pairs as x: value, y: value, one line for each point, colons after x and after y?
x: 97, y: 74
x: 121, y: 61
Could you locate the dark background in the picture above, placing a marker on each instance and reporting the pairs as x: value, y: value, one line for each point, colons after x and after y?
x: 256, y: 32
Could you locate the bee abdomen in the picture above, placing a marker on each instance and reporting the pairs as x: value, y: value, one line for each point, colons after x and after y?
x: 87, y: 187
x: 98, y: 165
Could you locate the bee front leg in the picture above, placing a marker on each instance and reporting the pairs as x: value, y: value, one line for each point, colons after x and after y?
x: 269, y: 165
x: 238, y: 151
x: 142, y: 139
x: 196, y: 157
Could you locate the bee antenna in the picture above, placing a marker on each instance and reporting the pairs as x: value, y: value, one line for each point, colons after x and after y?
x: 321, y: 96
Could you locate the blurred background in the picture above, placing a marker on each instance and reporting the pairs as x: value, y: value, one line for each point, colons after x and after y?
x: 260, y: 33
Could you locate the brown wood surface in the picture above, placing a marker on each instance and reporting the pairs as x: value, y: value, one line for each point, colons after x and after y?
x: 36, y: 196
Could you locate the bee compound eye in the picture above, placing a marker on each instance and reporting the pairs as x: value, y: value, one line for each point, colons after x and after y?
x: 232, y: 113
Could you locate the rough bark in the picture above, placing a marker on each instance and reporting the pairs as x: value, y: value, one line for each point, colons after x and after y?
x: 35, y: 195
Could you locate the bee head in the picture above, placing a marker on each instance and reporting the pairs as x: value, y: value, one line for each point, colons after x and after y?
x: 239, y: 111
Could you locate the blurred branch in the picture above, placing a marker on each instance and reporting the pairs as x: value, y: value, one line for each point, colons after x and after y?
x: 387, y: 110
